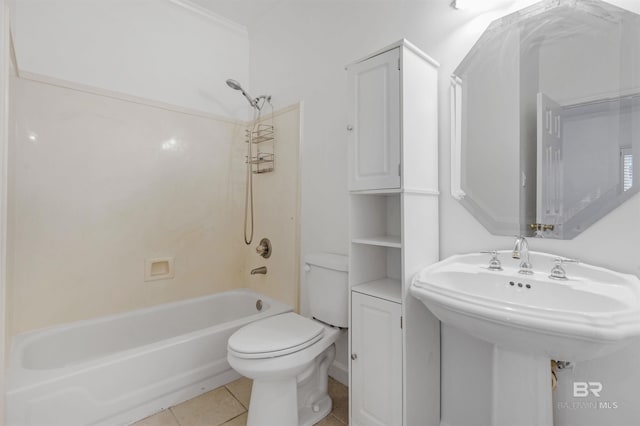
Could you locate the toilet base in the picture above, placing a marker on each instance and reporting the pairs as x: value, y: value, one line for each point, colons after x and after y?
x: 274, y: 402
x: 308, y: 417
x: 264, y: 408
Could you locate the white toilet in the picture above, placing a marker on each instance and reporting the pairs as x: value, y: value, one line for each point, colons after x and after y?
x: 288, y: 355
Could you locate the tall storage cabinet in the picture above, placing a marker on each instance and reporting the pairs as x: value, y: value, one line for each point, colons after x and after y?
x: 374, y: 102
x: 394, y: 340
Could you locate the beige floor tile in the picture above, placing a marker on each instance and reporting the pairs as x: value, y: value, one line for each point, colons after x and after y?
x: 241, y: 389
x: 163, y: 418
x: 238, y: 421
x: 330, y: 420
x: 210, y: 409
x: 339, y: 394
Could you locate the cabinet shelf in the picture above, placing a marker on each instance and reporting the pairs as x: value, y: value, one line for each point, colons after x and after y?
x: 388, y: 191
x: 380, y: 240
x: 386, y: 288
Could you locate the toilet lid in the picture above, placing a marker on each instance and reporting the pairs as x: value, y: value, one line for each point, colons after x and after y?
x: 275, y: 336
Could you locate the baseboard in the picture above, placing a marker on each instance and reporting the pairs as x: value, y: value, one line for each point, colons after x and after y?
x: 339, y: 372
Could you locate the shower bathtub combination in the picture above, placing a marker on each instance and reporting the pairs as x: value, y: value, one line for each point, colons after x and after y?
x: 121, y: 368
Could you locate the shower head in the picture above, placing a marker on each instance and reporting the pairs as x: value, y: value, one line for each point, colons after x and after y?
x: 236, y: 86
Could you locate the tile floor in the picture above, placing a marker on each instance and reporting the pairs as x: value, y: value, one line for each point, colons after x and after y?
x: 227, y: 406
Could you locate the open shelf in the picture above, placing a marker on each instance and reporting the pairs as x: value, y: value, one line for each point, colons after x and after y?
x: 386, y: 191
x: 376, y: 269
x: 378, y: 219
x: 380, y: 240
x: 385, y: 288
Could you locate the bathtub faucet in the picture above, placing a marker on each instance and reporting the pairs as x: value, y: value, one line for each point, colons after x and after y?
x: 261, y: 270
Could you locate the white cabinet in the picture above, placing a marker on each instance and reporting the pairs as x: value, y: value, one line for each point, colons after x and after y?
x: 393, y: 229
x: 374, y: 122
x: 376, y: 367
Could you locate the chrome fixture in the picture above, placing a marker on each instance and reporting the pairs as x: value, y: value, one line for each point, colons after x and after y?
x: 236, y: 86
x: 254, y: 102
x: 521, y: 249
x: 494, y: 263
x: 261, y: 270
x: 248, y: 202
x: 264, y: 248
x: 563, y: 365
x: 558, y: 272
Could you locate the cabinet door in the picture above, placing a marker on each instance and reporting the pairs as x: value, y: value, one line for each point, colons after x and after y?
x: 376, y: 362
x: 374, y: 122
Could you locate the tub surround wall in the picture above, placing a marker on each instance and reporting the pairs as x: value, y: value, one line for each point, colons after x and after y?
x: 276, y: 211
x: 328, y: 35
x: 102, y: 183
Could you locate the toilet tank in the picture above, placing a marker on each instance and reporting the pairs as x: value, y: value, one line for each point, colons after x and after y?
x: 328, y: 287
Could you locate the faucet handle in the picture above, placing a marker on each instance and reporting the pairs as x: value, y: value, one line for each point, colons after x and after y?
x: 561, y: 260
x: 558, y: 272
x: 264, y: 248
x: 494, y: 263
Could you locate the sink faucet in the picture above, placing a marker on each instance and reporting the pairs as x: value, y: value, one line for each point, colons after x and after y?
x: 558, y: 272
x: 521, y: 250
x: 261, y: 270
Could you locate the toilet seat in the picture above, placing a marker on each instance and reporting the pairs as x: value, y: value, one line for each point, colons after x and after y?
x: 275, y: 336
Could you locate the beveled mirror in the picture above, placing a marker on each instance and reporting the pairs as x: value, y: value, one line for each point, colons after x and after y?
x: 546, y: 118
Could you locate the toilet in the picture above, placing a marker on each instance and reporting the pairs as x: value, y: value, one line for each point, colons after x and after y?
x: 288, y: 355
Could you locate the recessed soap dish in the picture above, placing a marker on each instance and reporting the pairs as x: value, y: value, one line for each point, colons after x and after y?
x: 160, y: 268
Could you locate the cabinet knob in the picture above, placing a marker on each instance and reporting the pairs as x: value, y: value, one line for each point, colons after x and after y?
x: 349, y: 127
x: 354, y: 357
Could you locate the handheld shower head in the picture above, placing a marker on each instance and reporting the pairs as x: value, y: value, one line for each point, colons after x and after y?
x: 236, y: 86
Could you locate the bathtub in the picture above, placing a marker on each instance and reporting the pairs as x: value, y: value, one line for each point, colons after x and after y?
x: 121, y: 368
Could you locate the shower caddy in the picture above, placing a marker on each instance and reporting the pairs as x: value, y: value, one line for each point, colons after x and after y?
x: 263, y: 136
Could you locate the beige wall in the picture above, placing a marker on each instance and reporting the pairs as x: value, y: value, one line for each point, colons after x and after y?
x: 5, y: 110
x: 9, y: 194
x: 103, y: 182
x: 276, y: 208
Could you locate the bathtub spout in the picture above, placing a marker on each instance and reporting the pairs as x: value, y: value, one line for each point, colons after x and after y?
x: 261, y: 270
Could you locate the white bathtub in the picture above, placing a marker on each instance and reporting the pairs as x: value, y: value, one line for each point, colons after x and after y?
x: 118, y: 369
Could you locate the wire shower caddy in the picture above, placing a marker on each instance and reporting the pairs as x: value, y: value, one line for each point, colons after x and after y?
x: 263, y: 136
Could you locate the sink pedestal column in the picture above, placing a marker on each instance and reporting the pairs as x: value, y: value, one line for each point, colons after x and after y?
x: 521, y: 389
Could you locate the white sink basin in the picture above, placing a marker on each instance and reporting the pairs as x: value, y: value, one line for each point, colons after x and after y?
x: 593, y: 313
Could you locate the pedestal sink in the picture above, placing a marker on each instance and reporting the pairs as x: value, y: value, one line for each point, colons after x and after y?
x: 531, y: 319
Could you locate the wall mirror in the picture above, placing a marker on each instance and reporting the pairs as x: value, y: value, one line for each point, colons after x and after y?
x: 546, y: 118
